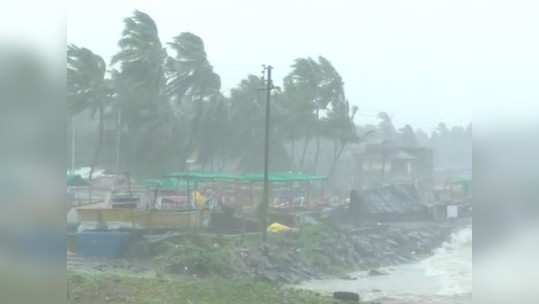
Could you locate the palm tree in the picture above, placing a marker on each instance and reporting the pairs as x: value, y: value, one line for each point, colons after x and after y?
x: 301, y: 87
x: 214, y: 134
x: 139, y: 77
x: 386, y: 127
x: 331, y: 91
x: 340, y: 128
x: 87, y: 89
x: 298, y: 120
x: 316, y: 83
x: 192, y: 83
x: 140, y: 62
x: 191, y: 75
x: 407, y: 136
x: 247, y: 108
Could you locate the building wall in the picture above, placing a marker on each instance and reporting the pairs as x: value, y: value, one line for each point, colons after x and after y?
x: 370, y: 168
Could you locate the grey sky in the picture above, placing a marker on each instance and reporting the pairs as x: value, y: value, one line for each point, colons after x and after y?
x: 422, y: 61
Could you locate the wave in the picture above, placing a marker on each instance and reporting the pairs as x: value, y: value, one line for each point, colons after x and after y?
x: 451, y: 264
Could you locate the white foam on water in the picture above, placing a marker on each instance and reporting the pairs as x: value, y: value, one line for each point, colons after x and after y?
x: 451, y: 264
x: 445, y: 277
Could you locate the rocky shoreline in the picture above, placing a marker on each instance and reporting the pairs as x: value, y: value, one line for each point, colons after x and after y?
x: 313, y: 252
x: 337, y: 251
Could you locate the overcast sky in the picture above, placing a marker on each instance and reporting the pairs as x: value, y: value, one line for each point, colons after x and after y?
x: 422, y: 61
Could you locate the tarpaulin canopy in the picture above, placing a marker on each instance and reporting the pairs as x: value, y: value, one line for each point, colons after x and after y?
x: 281, y: 177
x: 273, y: 177
x: 181, y: 180
x: 202, y: 176
x: 465, y: 183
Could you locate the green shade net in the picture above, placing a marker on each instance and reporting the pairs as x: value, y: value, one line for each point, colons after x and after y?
x: 75, y: 180
x: 167, y: 184
x: 281, y: 177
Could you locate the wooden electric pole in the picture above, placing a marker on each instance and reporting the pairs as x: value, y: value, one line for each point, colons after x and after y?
x: 265, y: 199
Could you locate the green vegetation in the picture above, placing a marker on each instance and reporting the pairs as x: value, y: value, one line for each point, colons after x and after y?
x: 195, y: 254
x: 165, y: 104
x: 311, y: 241
x: 203, y: 255
x: 88, y: 89
x: 159, y: 104
x: 209, y: 268
x: 99, y: 289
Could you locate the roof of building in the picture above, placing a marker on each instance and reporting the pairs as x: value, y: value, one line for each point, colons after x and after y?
x: 391, y: 152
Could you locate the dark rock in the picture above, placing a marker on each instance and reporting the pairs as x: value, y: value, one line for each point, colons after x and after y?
x: 348, y: 278
x: 376, y: 272
x: 351, y: 297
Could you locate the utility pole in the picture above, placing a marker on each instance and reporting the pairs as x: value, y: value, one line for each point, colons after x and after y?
x: 265, y: 199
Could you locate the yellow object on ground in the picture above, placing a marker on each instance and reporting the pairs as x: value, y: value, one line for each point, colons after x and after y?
x: 278, y: 228
x: 200, y: 200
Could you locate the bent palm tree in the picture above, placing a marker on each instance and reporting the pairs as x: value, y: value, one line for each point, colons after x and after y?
x: 192, y: 84
x: 140, y: 67
x: 316, y: 83
x: 139, y: 78
x: 341, y: 129
x: 247, y: 107
x: 87, y: 89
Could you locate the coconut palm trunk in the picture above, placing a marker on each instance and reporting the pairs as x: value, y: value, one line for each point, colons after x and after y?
x: 304, y: 153
x: 337, y: 153
x: 317, y: 152
x: 293, y: 152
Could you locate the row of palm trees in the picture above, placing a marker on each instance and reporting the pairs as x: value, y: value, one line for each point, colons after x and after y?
x: 172, y: 107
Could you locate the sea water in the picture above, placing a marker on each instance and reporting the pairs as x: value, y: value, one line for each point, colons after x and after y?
x: 444, y: 277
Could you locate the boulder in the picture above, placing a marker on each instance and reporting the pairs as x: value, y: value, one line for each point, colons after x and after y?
x: 347, y: 296
x: 375, y: 272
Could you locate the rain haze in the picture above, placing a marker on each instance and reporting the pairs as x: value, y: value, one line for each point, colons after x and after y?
x: 285, y: 151
x: 423, y: 62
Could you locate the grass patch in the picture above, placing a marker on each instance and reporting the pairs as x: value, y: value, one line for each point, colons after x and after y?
x: 203, y: 255
x: 195, y: 254
x: 94, y: 289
